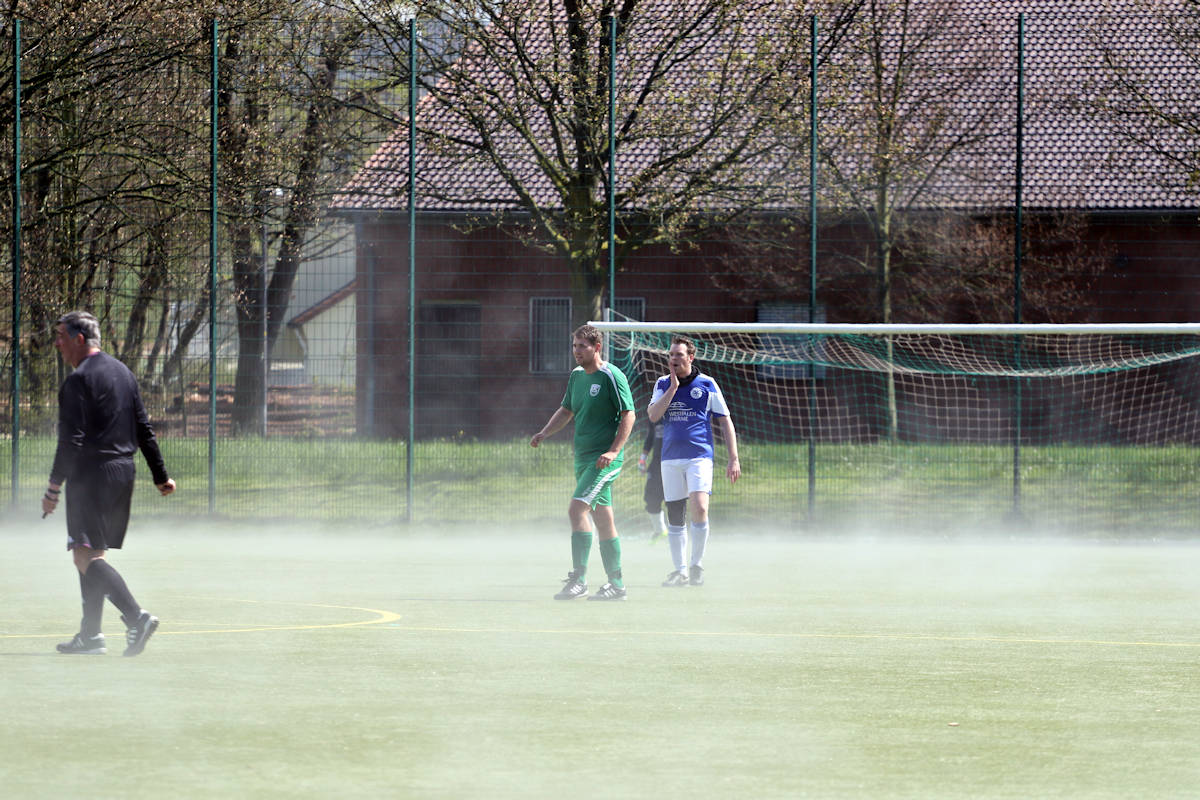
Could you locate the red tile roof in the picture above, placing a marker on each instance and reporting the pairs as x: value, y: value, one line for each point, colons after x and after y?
x: 320, y: 307
x: 1074, y: 157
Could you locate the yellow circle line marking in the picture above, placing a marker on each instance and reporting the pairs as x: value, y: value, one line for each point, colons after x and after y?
x: 381, y: 618
x: 917, y: 637
x: 384, y: 617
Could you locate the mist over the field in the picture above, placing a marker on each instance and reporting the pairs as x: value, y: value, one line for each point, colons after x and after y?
x: 328, y: 659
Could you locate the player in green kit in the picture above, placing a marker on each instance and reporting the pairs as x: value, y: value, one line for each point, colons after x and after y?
x: 599, y: 400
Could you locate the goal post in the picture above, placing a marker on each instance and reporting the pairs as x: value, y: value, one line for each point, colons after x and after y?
x: 1077, y: 428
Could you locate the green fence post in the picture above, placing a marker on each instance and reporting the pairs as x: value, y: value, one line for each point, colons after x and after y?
x: 812, y: 264
x: 16, y: 274
x: 1018, y: 245
x: 412, y: 267
x: 16, y: 261
x: 611, y: 198
x: 214, y: 84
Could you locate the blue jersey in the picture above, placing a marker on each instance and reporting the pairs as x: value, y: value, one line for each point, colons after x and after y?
x: 687, y: 430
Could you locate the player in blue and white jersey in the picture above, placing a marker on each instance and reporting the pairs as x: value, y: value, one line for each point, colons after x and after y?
x: 689, y: 403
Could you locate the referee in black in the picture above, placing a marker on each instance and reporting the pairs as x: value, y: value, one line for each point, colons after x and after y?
x: 101, y: 424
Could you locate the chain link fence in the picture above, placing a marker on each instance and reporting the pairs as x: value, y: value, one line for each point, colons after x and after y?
x: 332, y: 323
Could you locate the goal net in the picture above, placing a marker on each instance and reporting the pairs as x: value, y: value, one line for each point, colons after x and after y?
x: 1087, y: 429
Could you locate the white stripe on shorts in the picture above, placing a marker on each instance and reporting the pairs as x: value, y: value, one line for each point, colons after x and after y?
x: 597, y: 487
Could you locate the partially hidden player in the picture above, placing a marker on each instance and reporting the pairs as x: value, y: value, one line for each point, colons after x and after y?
x: 689, y: 402
x: 649, y: 463
x: 101, y: 424
x: 599, y: 401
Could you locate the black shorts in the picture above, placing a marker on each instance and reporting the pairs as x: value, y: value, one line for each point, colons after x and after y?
x: 98, y: 506
x: 653, y: 493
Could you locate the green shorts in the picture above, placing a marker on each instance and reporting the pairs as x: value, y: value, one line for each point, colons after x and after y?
x: 592, y: 485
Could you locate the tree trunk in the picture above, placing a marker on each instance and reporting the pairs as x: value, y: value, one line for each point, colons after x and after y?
x: 298, y: 220
x: 250, y: 383
x: 884, y: 257
x: 154, y: 274
x: 248, y: 284
x: 588, y: 284
x: 173, y: 367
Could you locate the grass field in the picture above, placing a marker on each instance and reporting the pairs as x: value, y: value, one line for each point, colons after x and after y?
x: 434, y: 664
x: 1066, y: 490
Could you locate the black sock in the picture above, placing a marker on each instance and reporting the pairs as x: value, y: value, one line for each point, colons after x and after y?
x: 93, y: 605
x: 114, y: 586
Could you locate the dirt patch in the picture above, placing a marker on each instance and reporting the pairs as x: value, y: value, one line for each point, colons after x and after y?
x: 315, y: 411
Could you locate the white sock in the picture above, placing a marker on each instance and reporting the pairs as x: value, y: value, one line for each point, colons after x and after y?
x: 677, y: 538
x: 658, y: 522
x: 699, y: 541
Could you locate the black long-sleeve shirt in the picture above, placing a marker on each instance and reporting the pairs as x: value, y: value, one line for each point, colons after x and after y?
x: 100, y: 419
x: 654, y: 442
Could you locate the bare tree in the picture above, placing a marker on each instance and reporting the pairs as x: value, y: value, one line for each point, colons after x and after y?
x: 959, y: 266
x: 916, y: 119
x: 914, y: 105
x: 916, y: 93
x: 116, y: 106
x: 1148, y: 92
x: 516, y: 95
x: 296, y: 98
x: 93, y: 190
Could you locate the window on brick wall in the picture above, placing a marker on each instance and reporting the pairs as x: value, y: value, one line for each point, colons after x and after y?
x: 550, y: 335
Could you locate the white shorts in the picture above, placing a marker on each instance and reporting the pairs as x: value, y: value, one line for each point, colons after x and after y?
x: 682, y: 476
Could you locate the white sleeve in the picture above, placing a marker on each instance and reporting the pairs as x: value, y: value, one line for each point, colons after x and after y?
x: 659, y: 390
x: 716, y: 402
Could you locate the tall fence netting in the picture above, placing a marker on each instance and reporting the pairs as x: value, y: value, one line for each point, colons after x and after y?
x: 405, y: 368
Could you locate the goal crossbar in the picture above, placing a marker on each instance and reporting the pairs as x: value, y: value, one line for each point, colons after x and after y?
x: 898, y: 329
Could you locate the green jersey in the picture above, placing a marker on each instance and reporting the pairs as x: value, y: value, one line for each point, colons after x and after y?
x: 597, y: 401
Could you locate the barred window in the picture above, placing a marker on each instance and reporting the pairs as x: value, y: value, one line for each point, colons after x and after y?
x: 550, y: 334
x: 790, y: 312
x: 631, y: 307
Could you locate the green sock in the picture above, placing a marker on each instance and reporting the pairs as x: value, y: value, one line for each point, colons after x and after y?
x: 581, y: 548
x: 610, y: 551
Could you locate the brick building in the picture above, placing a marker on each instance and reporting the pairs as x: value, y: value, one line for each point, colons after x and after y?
x: 493, y: 312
